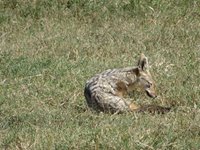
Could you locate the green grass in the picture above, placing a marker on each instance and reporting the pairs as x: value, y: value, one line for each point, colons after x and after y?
x: 49, y: 48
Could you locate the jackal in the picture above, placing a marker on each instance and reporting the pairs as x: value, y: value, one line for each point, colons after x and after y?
x: 106, y: 91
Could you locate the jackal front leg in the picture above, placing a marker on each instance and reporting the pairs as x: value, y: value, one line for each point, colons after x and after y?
x: 133, y: 107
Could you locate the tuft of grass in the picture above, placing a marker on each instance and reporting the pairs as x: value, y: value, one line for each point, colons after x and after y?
x: 49, y: 48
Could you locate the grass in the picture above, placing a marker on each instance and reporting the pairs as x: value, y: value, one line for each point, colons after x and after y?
x: 48, y: 49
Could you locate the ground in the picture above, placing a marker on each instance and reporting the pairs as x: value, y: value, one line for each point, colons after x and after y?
x: 49, y: 48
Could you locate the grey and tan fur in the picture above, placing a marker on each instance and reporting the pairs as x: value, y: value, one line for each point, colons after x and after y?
x: 106, y: 91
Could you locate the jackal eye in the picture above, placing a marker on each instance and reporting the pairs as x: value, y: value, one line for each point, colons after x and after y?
x: 148, y: 85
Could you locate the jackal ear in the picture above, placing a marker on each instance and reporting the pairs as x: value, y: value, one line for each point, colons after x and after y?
x: 143, y: 63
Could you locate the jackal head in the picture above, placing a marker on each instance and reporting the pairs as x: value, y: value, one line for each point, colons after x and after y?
x: 144, y: 77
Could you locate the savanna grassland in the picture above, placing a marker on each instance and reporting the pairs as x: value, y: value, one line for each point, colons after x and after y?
x: 49, y: 48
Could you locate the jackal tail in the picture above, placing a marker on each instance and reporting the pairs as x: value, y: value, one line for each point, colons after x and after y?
x: 153, y: 109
